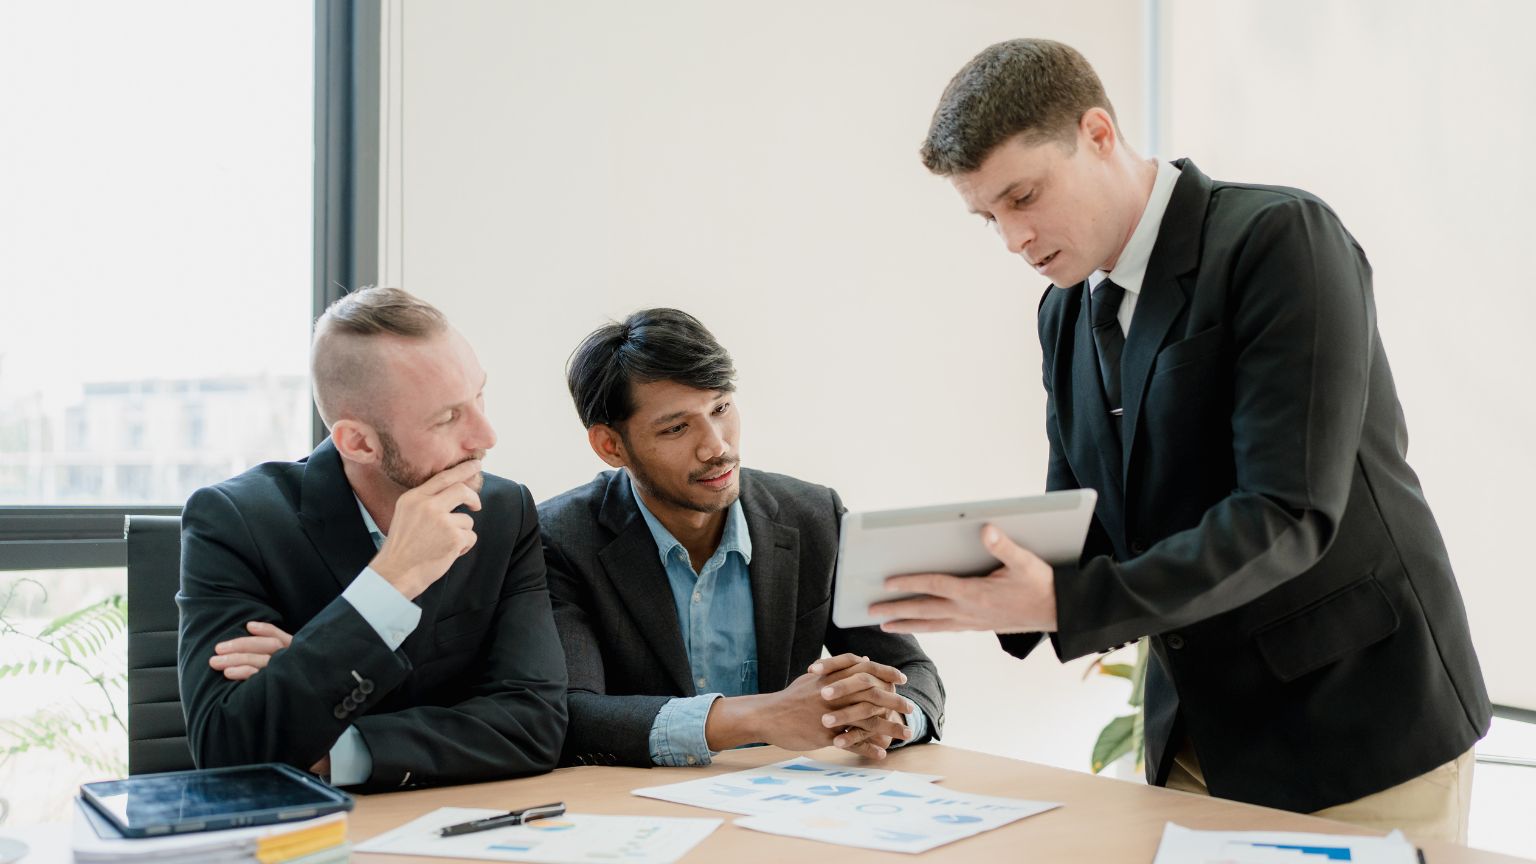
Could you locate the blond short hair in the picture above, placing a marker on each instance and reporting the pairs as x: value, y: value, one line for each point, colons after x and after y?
x: 343, y: 364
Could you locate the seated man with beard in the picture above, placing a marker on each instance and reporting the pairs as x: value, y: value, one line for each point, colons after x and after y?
x: 422, y: 650
x: 693, y: 597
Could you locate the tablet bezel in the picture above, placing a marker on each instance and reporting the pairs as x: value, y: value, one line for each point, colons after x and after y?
x: 336, y: 800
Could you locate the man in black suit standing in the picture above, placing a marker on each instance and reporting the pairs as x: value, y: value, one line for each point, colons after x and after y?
x: 376, y: 612
x: 693, y: 596
x: 1213, y: 368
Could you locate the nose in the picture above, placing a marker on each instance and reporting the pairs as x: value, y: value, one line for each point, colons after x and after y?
x: 479, y: 433
x: 1016, y: 233
x: 712, y: 445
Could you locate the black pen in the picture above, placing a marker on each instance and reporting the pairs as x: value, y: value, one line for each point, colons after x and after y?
x: 516, y: 817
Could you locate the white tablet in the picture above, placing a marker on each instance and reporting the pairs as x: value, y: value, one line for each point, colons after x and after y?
x: 947, y: 539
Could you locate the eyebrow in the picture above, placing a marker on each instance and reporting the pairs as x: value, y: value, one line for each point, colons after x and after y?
x: 1007, y: 190
x: 676, y: 415
x: 483, y: 380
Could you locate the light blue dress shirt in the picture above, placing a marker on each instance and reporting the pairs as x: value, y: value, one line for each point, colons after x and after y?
x: 714, y: 612
x: 391, y: 616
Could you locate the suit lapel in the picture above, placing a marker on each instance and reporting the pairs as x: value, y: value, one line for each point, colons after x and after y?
x: 775, y: 576
x: 1163, y: 296
x: 329, y: 516
x: 634, y: 568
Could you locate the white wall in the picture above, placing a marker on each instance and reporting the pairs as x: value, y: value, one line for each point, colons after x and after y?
x: 1417, y: 122
x: 551, y: 166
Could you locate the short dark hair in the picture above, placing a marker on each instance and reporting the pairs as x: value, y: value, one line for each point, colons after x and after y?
x: 1032, y: 87
x: 650, y: 345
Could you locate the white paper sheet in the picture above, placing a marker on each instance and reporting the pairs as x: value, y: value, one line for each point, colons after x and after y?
x: 1182, y: 845
x: 570, y: 839
x: 897, y: 817
x: 782, y: 786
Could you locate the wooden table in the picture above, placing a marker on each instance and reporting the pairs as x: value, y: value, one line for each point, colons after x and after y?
x: 1103, y: 820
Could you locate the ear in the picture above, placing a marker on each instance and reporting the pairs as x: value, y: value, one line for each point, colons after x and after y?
x: 1096, y: 130
x: 607, y: 444
x: 357, y: 441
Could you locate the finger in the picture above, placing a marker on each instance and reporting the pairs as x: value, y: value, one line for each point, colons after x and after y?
x: 829, y: 665
x: 850, y: 715
x: 933, y: 584
x: 867, y: 750
x: 926, y: 625
x: 858, y: 682
x: 469, y: 542
x: 888, y: 674
x: 883, y: 725
x: 1002, y: 547
x: 240, y: 673
x: 456, y: 496
x: 887, y: 700
x: 915, y: 607
x: 460, y: 473
x: 263, y: 628
x: 250, y: 645
x: 851, y: 736
x: 225, y: 661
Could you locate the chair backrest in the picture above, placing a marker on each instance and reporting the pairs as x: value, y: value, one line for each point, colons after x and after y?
x: 157, y: 730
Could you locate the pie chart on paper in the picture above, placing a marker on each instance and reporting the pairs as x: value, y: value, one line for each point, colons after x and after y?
x: 956, y: 819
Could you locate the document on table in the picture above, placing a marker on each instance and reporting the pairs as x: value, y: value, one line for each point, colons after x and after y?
x: 1186, y: 846
x: 897, y: 816
x: 568, y: 839
x: 782, y: 786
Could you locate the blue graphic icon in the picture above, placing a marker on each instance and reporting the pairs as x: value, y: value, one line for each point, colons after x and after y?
x: 831, y: 791
x: 768, y: 781
x: 879, y: 809
x: 892, y: 793
x: 1330, y: 853
x: 956, y: 819
x: 799, y: 799
x: 801, y: 768
x: 513, y: 847
x: 730, y: 791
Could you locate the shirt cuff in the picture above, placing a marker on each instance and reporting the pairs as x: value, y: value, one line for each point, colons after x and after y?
x: 917, y: 721
x: 351, y: 763
x: 386, y: 610
x: 677, y: 734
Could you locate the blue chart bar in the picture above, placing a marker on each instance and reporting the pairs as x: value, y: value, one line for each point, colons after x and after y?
x: 1331, y: 853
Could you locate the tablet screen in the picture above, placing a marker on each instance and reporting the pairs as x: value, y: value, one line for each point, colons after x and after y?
x: 159, y: 801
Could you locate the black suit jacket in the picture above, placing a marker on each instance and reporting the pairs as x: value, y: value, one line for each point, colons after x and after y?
x: 1260, y: 522
x: 476, y: 692
x: 618, y: 624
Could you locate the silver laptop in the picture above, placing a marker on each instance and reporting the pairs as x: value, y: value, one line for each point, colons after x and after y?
x: 947, y: 539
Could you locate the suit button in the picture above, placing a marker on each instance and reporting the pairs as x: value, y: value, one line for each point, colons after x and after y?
x: 339, y: 712
x: 1174, y: 641
x: 1138, y: 547
x: 365, y: 686
x: 349, y: 703
x: 357, y: 696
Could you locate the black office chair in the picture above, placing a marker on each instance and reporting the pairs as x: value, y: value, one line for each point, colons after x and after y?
x: 157, y: 730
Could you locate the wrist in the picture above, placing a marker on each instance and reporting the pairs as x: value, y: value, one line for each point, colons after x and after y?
x: 732, y: 722
x: 402, y: 579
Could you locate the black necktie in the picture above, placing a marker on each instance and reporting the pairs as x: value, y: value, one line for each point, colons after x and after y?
x: 1109, y: 340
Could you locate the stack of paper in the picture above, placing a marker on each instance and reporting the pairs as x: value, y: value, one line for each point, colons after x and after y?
x: 1185, y: 846
x: 866, y: 807
x: 573, y: 837
x: 314, y: 841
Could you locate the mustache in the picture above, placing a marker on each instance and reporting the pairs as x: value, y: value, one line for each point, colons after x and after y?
x: 478, y: 454
x: 714, y: 466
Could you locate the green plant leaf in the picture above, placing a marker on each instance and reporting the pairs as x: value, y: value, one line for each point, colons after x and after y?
x: 1119, y: 670
x: 1139, y: 675
x: 1115, y: 741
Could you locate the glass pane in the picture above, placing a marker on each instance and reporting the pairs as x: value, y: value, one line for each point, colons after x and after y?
x: 59, y: 725
x: 155, y: 245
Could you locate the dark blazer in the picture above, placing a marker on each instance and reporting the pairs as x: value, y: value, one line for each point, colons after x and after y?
x: 1261, y: 522
x: 476, y: 692
x: 618, y: 624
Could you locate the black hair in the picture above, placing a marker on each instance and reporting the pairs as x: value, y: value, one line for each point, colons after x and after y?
x: 650, y: 345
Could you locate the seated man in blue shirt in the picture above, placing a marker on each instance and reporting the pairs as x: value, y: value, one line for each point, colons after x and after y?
x: 693, y: 596
x: 377, y: 611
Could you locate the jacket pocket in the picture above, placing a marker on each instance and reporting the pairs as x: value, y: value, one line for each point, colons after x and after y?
x: 1352, y: 618
x: 1206, y: 343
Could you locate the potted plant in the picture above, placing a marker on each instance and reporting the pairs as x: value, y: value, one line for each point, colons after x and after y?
x: 1123, y: 735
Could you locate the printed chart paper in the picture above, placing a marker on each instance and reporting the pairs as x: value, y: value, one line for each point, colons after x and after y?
x: 897, y: 817
x: 783, y: 786
x: 1182, y: 845
x: 574, y: 838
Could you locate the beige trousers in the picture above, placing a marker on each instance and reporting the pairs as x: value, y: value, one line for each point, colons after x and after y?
x: 1433, y: 805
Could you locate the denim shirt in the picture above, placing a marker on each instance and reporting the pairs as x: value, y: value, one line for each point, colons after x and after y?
x: 714, y: 612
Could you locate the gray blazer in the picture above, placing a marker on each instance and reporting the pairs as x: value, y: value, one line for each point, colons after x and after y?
x: 618, y: 624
